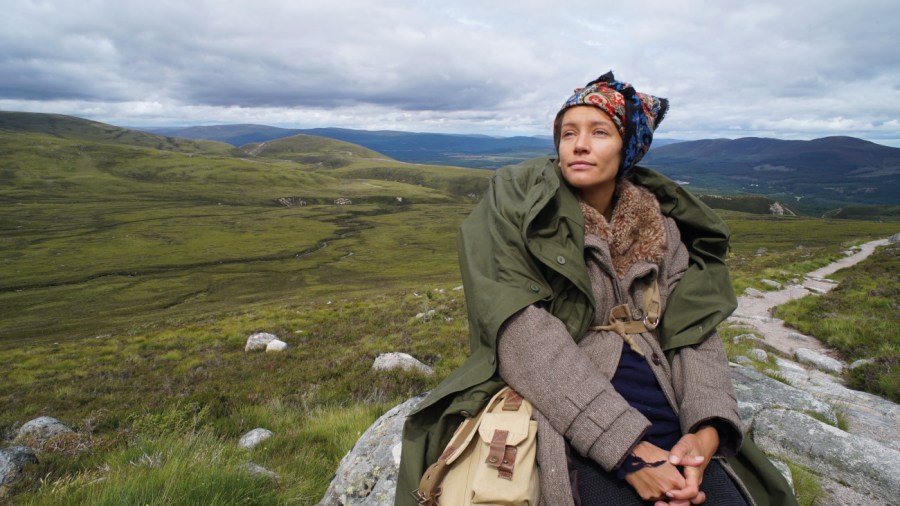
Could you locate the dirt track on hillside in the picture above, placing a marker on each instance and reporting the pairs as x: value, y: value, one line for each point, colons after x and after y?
x: 756, y: 311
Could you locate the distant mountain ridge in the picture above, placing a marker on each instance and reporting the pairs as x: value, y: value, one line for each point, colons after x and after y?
x: 833, y: 176
x: 831, y: 171
x: 478, y: 151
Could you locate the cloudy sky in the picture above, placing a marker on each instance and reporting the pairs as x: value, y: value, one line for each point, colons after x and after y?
x: 796, y: 69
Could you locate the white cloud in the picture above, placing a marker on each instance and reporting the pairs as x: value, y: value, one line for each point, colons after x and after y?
x: 795, y: 70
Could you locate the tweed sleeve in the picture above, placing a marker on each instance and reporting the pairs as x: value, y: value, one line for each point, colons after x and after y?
x: 701, y: 378
x: 706, y: 395
x: 539, y: 359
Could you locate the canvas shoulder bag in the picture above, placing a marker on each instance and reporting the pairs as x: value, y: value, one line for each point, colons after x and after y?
x: 490, y: 460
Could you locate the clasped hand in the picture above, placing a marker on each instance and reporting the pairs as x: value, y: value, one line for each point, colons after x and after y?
x: 668, y: 485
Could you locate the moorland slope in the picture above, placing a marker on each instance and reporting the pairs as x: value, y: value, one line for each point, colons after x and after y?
x: 103, y: 224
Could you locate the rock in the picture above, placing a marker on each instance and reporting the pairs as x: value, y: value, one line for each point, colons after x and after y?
x: 859, y: 462
x: 392, y: 361
x: 894, y: 238
x: 768, y: 282
x: 759, y: 354
x: 819, y: 361
x: 837, y: 493
x: 426, y: 315
x: 12, y: 463
x: 38, y: 431
x: 741, y: 359
x: 276, y: 345
x: 291, y: 201
x: 259, y: 341
x: 757, y: 392
x: 795, y: 373
x: 258, y: 470
x: 817, y: 287
x: 800, y: 337
x: 745, y: 337
x: 753, y: 292
x: 861, y: 362
x: 367, y: 475
x: 254, y: 437
x: 866, y: 414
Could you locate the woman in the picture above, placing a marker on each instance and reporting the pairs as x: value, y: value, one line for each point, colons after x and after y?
x: 568, y: 266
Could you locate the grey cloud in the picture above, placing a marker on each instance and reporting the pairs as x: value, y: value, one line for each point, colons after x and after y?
x: 729, y: 67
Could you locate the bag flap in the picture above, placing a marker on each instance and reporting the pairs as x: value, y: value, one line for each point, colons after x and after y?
x: 516, y: 422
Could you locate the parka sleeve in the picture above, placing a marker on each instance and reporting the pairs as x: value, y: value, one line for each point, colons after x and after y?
x: 539, y: 359
x: 499, y: 274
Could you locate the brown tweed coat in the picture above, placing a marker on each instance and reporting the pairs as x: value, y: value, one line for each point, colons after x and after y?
x: 569, y: 383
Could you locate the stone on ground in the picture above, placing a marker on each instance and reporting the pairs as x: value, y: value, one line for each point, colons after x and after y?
x: 404, y: 361
x: 859, y: 462
x: 819, y: 361
x: 254, y: 437
x: 40, y: 430
x: 259, y: 341
x: 368, y: 474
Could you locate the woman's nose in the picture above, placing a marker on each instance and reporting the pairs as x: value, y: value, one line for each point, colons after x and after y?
x: 582, y: 143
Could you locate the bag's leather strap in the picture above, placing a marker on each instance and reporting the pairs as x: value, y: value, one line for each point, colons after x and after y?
x: 512, y: 401
x: 429, y: 486
x: 497, y: 448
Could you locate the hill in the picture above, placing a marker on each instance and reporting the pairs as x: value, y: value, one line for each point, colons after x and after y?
x: 72, y: 128
x: 813, y: 176
x: 842, y: 177
x: 477, y: 151
x: 105, y: 229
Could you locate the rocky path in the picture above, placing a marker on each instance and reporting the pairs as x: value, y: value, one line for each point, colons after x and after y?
x: 755, y: 308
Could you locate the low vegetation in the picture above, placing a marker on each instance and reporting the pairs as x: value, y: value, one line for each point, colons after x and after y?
x: 181, y: 397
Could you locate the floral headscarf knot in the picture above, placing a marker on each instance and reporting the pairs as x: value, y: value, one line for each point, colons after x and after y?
x: 636, y: 115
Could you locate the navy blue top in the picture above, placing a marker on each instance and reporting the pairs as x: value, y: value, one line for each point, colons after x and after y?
x: 635, y: 381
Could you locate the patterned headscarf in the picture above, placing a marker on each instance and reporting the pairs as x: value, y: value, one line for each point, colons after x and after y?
x: 636, y: 115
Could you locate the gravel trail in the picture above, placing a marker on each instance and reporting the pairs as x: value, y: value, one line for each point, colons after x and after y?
x: 755, y: 311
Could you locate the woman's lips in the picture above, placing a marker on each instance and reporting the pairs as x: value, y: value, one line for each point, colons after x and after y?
x: 580, y: 165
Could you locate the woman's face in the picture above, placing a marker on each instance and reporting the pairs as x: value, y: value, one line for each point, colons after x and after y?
x: 590, y: 150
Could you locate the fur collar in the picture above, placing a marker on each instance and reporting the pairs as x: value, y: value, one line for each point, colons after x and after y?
x: 635, y: 233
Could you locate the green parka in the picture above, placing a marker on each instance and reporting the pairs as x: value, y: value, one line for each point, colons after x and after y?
x: 523, y: 244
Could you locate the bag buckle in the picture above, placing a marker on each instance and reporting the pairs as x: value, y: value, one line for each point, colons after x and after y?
x: 424, y: 500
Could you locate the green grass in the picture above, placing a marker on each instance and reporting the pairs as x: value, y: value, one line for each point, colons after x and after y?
x: 189, y: 392
x: 807, y: 486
